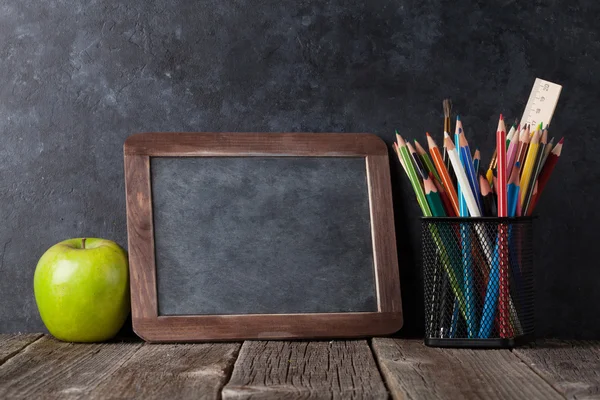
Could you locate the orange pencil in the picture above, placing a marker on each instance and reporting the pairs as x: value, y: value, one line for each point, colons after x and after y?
x: 443, y: 172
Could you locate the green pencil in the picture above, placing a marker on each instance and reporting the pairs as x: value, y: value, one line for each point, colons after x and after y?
x: 433, y: 198
x: 412, y: 176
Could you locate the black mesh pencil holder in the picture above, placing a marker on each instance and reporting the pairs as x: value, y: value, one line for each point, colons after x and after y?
x: 478, y: 275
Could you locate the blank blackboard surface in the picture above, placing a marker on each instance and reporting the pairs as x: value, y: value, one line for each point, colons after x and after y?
x: 269, y: 235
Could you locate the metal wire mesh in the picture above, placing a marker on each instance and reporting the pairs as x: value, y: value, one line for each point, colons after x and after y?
x: 478, y: 275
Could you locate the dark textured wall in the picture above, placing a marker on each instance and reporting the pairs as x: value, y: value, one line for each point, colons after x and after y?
x: 78, y: 77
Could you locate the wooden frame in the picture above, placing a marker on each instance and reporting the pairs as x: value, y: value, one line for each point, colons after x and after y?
x: 154, y: 328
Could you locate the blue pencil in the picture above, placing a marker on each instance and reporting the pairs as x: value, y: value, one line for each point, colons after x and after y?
x: 466, y: 241
x: 491, y: 297
x: 462, y: 202
x: 467, y: 161
x: 513, y: 190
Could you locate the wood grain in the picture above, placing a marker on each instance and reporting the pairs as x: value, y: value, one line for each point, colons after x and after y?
x: 146, y: 322
x: 189, y: 144
x: 49, y: 369
x: 140, y: 235
x: 412, y: 370
x: 571, y: 367
x: 197, y: 328
x: 305, y: 370
x: 12, y: 344
x: 384, y: 235
x: 183, y: 371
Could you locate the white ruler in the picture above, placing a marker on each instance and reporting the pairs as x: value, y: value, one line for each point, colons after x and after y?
x: 542, y: 102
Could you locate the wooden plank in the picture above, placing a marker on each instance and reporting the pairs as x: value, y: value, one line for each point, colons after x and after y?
x: 573, y: 368
x: 253, y: 144
x: 384, y: 238
x: 415, y: 371
x: 184, y: 371
x: 51, y: 369
x: 307, y: 370
x: 12, y: 344
x: 140, y: 234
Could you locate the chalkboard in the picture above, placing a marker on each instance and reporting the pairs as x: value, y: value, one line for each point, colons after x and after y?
x: 240, y: 236
x: 253, y: 218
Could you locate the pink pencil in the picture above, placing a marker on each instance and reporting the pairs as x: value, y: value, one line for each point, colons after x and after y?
x: 511, y: 153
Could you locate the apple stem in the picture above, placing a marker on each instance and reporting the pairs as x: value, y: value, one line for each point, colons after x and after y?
x: 83, y: 243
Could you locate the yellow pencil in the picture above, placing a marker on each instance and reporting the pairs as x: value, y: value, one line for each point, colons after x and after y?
x: 529, y: 164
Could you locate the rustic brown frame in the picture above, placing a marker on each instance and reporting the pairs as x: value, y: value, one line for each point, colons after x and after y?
x: 151, y: 327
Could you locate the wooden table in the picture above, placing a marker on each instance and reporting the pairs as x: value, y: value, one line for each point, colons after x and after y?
x: 40, y: 367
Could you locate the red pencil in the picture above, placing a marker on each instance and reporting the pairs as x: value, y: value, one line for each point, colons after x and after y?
x: 546, y: 172
x: 501, y: 168
x: 503, y: 307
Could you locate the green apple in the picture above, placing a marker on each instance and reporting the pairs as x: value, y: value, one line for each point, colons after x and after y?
x: 82, y: 289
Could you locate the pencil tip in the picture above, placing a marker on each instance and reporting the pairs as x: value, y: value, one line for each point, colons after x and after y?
x: 562, y: 139
x: 501, y: 118
x: 458, y: 117
x: 427, y: 134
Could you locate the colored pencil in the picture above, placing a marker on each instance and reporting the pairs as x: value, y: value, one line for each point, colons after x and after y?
x: 397, y: 151
x: 471, y: 204
x: 444, y: 196
x: 465, y: 239
x: 503, y: 300
x: 547, y: 151
x: 511, y: 153
x: 462, y: 204
x: 529, y: 165
x: 435, y: 205
x: 447, y: 105
x: 513, y: 190
x: 412, y: 176
x: 476, y: 161
x: 490, y: 171
x: 537, y: 168
x: 433, y: 198
x: 461, y: 176
x: 488, y: 199
x: 502, y: 179
x: 523, y: 145
x: 426, y: 160
x: 417, y: 161
x: 467, y: 162
x: 546, y: 172
x: 510, y: 134
x: 443, y: 172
